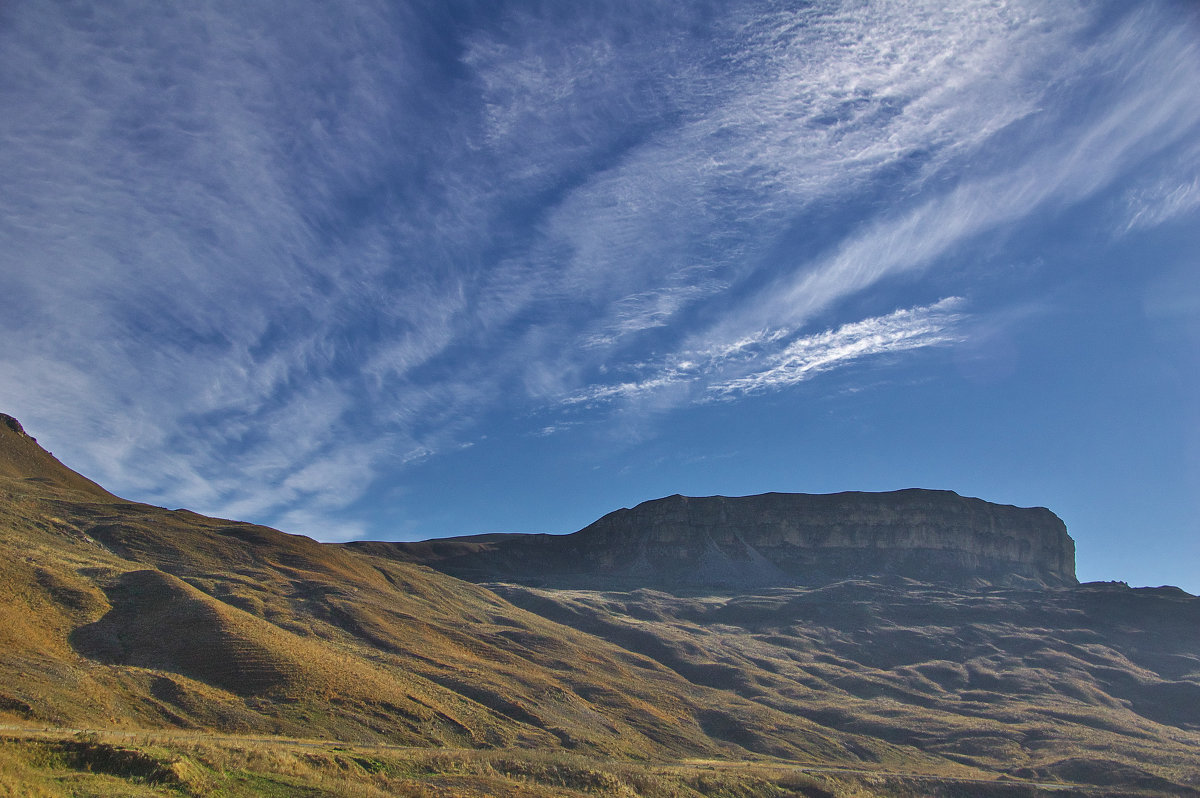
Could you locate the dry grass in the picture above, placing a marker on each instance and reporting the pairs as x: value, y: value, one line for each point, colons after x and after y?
x: 116, y: 615
x: 167, y: 765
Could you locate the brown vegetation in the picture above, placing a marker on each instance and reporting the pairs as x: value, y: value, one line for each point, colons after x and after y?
x: 186, y: 632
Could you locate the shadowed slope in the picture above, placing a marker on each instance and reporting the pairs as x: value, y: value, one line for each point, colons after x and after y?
x: 1015, y: 681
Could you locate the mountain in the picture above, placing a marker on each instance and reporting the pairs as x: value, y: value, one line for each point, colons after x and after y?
x: 119, y: 615
x: 773, y: 539
x: 122, y: 614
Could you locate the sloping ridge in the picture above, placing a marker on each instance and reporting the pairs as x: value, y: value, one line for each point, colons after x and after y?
x: 21, y: 458
x: 159, y: 621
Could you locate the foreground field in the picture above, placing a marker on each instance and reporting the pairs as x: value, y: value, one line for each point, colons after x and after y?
x: 50, y: 763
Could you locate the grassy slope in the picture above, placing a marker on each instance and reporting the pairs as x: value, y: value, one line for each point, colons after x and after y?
x: 118, y: 615
x: 1099, y: 684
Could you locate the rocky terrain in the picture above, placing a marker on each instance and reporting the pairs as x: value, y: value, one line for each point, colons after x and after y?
x: 774, y: 539
x: 248, y: 661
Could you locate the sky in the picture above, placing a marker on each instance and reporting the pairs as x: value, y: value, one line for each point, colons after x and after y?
x: 401, y: 270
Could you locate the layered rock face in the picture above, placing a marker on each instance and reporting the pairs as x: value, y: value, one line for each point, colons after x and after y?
x: 777, y: 539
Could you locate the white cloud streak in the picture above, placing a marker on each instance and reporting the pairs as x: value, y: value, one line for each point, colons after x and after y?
x: 811, y: 355
x: 781, y: 359
x: 1164, y: 202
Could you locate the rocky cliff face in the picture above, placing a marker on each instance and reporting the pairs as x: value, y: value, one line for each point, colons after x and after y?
x: 778, y: 539
x: 923, y: 534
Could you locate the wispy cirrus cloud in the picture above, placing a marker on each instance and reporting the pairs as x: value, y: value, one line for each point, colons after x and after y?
x: 1164, y: 201
x: 806, y: 357
x: 943, y: 98
x: 262, y: 260
x: 803, y: 108
x: 772, y: 119
x: 186, y: 280
x: 1147, y: 113
x: 779, y: 359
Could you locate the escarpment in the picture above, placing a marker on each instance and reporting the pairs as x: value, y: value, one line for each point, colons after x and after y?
x: 776, y: 539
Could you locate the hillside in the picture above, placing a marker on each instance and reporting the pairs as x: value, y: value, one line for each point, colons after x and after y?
x: 121, y: 616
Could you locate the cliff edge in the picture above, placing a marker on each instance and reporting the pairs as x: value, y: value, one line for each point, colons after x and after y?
x: 775, y: 539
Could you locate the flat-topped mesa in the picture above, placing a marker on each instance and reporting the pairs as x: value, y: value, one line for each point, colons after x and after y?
x: 773, y: 539
x: 789, y: 537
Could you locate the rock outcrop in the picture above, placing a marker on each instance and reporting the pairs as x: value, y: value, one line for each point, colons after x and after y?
x: 13, y: 425
x: 777, y: 539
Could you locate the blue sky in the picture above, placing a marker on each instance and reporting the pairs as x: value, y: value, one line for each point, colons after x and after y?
x: 405, y: 270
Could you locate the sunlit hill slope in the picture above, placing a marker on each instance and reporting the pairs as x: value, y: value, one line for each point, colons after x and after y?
x: 115, y: 614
